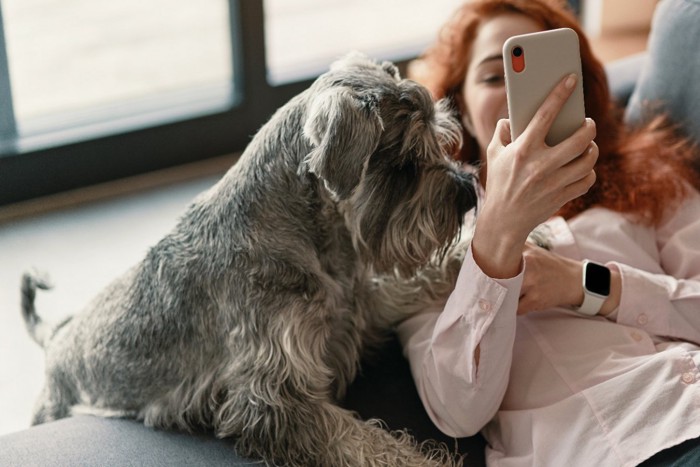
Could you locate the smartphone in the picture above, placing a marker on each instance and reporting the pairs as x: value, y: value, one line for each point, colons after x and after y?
x: 534, y: 64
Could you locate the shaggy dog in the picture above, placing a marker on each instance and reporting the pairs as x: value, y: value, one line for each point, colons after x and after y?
x: 251, y: 316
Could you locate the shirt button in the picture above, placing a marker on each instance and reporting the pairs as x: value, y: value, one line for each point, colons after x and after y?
x: 642, y: 319
x: 636, y: 336
x: 688, y: 378
x: 485, y: 305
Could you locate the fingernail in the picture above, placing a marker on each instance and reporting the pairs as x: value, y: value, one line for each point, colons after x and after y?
x: 570, y: 81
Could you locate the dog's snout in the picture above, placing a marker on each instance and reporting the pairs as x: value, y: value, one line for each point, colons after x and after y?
x: 466, y: 191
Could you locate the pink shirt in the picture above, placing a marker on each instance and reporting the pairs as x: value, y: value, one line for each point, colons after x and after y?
x: 556, y: 388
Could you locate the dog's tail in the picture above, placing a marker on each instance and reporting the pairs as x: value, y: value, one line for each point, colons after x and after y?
x: 37, y: 328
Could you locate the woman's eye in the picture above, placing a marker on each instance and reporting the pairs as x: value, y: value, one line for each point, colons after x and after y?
x: 492, y: 79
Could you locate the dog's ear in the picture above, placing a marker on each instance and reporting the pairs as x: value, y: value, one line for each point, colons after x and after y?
x: 345, y: 129
x: 392, y: 69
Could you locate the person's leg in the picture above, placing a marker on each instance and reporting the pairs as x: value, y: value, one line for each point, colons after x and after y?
x: 686, y: 454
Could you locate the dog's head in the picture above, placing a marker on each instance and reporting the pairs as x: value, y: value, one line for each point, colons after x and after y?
x: 381, y: 146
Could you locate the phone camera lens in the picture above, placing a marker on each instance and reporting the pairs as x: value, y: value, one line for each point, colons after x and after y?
x: 517, y: 51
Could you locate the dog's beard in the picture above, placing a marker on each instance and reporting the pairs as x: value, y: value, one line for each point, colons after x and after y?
x: 403, y: 237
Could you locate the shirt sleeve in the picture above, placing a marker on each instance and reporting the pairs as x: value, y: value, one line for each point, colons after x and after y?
x: 667, y: 304
x: 459, y: 395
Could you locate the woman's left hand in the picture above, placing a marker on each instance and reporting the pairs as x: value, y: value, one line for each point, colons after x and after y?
x: 550, y: 280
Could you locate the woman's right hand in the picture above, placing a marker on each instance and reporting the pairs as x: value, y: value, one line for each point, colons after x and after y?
x: 528, y: 181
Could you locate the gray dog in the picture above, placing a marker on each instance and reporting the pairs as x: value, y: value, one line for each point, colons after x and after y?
x: 251, y: 316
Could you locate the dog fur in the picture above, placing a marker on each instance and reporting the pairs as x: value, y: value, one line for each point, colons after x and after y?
x: 251, y: 316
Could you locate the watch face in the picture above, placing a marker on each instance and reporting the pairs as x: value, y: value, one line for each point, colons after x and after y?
x: 598, y: 279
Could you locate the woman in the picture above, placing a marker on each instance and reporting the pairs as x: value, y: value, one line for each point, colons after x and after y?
x: 551, y: 373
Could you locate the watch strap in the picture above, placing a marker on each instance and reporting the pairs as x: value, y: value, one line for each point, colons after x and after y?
x: 591, y: 303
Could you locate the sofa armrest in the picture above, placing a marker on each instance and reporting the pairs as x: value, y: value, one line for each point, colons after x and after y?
x: 623, y: 75
x: 383, y: 390
x: 668, y: 81
x: 90, y: 441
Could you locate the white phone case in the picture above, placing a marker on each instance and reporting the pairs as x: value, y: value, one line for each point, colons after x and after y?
x: 548, y: 56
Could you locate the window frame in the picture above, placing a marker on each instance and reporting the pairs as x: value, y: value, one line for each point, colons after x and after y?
x: 8, y: 127
x: 54, y: 168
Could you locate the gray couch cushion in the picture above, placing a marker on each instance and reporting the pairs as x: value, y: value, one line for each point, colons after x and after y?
x: 670, y: 77
x: 384, y: 390
x: 622, y: 76
x: 92, y: 441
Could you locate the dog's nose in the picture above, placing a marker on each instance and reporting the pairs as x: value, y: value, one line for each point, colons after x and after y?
x: 466, y: 191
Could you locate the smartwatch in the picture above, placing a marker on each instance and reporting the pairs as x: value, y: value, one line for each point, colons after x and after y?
x: 596, y: 287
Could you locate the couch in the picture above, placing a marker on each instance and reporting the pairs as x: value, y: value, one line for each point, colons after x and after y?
x: 665, y: 78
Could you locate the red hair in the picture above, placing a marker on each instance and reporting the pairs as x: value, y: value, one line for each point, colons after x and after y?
x: 639, y: 172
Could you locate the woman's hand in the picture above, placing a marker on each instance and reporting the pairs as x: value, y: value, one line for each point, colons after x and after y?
x: 528, y: 181
x: 550, y: 281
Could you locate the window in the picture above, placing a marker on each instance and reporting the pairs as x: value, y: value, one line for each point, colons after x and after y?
x: 151, y: 50
x: 94, y: 90
x: 303, y: 37
x: 77, y: 63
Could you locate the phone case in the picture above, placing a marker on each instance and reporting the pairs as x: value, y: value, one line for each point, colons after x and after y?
x: 545, y: 58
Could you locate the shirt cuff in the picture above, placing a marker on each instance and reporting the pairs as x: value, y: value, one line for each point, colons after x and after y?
x: 477, y: 295
x: 644, y: 301
x: 612, y: 316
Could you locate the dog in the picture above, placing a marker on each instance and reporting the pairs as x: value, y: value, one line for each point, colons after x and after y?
x: 250, y: 317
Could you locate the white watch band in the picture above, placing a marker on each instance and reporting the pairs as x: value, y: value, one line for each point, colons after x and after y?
x: 592, y: 303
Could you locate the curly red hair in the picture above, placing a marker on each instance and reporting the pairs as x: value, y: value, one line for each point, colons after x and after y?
x: 639, y: 171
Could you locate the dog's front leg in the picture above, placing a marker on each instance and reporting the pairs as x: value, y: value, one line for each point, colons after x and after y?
x: 389, y: 299
x: 278, y: 402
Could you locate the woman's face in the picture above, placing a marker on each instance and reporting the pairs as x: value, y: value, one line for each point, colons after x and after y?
x: 484, y: 89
